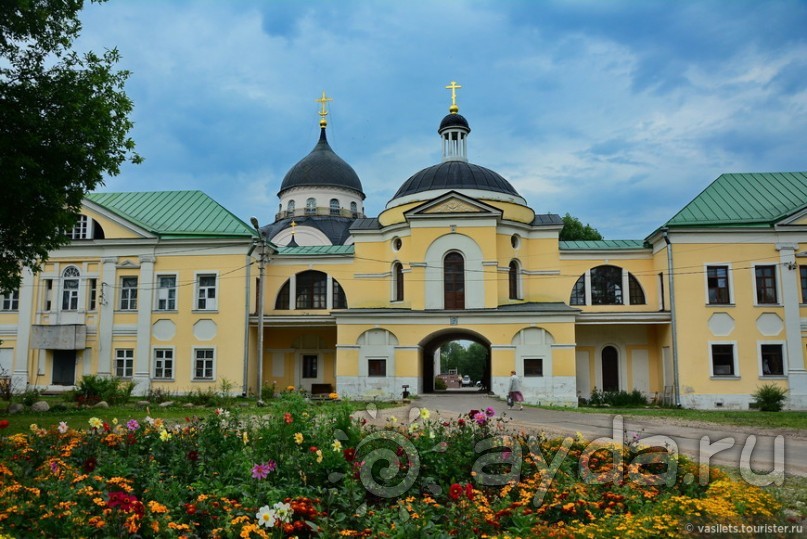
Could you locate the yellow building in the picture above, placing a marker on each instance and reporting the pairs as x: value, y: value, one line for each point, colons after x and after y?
x: 700, y: 312
x: 152, y: 289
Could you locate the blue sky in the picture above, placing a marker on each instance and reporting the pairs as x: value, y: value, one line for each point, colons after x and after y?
x: 618, y: 112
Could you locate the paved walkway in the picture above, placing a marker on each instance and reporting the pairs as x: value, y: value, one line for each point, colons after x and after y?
x: 758, y: 444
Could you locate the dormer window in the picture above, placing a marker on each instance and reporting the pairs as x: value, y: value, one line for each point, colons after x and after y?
x: 81, y: 230
x: 311, y: 206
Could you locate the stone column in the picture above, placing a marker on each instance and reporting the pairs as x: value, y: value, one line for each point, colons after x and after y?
x: 142, y: 370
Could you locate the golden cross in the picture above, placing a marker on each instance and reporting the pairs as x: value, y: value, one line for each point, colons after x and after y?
x: 293, y: 225
x: 453, y: 87
x: 324, y: 112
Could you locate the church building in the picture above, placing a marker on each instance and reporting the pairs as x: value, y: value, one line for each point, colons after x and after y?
x: 162, y: 288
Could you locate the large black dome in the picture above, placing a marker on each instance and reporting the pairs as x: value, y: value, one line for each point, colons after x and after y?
x: 322, y: 168
x: 453, y: 120
x: 455, y: 175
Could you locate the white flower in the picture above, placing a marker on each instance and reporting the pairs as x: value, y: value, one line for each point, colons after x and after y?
x: 283, y: 511
x: 266, y: 517
x: 62, y: 427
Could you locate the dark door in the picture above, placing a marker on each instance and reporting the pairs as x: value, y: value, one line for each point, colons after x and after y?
x: 610, y: 369
x: 454, y: 281
x: 64, y: 367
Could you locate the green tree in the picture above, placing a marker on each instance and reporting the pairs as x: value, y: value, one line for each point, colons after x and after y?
x: 573, y: 229
x: 64, y: 124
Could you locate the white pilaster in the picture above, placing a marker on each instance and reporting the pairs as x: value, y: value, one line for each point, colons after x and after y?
x: 19, y: 367
x: 796, y: 373
x: 106, y: 315
x: 142, y: 371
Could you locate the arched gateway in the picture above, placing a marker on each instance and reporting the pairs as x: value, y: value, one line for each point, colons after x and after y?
x: 430, y: 355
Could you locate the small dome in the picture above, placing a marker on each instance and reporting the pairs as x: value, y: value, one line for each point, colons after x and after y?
x: 453, y: 120
x: 322, y: 168
x: 455, y: 175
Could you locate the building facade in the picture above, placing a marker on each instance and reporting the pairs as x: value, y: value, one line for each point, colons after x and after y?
x: 701, y: 312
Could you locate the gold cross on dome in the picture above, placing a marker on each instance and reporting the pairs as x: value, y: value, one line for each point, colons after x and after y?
x: 453, y: 87
x: 324, y: 111
x: 293, y: 226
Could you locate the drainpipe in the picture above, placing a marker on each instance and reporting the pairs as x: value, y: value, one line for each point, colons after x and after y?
x: 676, y: 383
x: 247, y: 293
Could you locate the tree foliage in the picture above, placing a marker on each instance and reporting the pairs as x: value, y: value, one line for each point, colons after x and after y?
x: 64, y: 124
x: 573, y: 229
x: 470, y: 360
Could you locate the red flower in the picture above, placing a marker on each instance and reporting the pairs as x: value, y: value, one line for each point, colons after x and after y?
x: 90, y: 464
x: 190, y: 508
x: 350, y: 454
x: 455, y: 491
x: 287, y: 418
x: 313, y: 449
x: 3, y: 423
x: 469, y: 491
x: 193, y: 455
x: 461, y: 422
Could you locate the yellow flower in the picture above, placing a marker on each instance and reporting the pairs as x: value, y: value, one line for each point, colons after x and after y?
x: 114, y: 420
x: 425, y: 413
x: 156, y: 507
x: 333, y: 396
x: 289, y: 388
x: 319, y: 455
x: 336, y: 446
x: 245, y: 437
x: 165, y: 435
x: 96, y: 423
x: 298, y: 438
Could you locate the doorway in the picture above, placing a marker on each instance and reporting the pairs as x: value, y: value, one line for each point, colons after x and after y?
x: 64, y: 367
x: 474, y: 359
x: 610, y: 369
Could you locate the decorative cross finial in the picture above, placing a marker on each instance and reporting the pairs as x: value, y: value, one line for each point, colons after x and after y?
x: 453, y: 87
x: 293, y: 225
x: 324, y: 111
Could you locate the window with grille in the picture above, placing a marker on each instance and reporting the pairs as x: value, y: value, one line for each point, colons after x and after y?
x: 203, y: 363
x: 124, y: 362
x: 766, y: 285
x: 717, y: 283
x: 128, y: 294
x: 206, y: 292
x: 166, y: 292
x: 163, y: 363
x: 70, y: 282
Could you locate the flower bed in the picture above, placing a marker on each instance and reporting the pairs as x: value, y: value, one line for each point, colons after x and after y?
x: 314, y: 471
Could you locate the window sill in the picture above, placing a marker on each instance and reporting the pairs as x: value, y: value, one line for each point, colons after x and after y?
x: 724, y: 377
x: 155, y: 379
x: 721, y: 305
x: 768, y: 305
x: 166, y: 311
x: 205, y: 311
x: 208, y: 380
x: 773, y: 377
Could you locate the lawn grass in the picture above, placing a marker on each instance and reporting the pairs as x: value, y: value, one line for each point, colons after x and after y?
x: 743, y: 418
x: 78, y: 418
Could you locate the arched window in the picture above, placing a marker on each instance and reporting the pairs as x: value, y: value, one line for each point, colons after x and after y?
x: 635, y: 291
x: 290, y: 209
x: 282, y: 302
x: 338, y: 299
x: 70, y: 277
x: 311, y: 206
x: 336, y: 209
x: 512, y: 278
x: 397, y: 282
x: 354, y: 209
x: 454, y: 281
x: 312, y: 289
x: 606, y: 286
x: 579, y: 292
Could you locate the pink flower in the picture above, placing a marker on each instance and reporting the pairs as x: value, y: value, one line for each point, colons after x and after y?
x: 132, y: 425
x: 480, y: 418
x: 490, y: 412
x: 260, y: 471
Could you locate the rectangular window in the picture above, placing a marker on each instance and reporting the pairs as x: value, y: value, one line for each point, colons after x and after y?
x: 723, y: 360
x: 533, y: 366
x: 166, y: 292
x: 766, y: 285
x: 803, y: 273
x: 124, y: 362
x: 70, y: 294
x: 128, y: 294
x: 48, y: 294
x: 376, y: 367
x: 206, y: 292
x: 203, y: 364
x: 81, y: 229
x: 163, y: 363
x: 10, y: 301
x: 717, y: 281
x: 661, y: 290
x: 310, y: 366
x: 773, y: 359
x: 92, y: 285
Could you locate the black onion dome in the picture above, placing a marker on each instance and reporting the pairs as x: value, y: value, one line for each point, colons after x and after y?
x: 454, y: 120
x: 455, y: 175
x: 322, y: 168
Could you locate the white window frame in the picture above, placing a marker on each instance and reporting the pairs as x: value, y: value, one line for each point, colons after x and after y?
x: 195, y: 358
x: 778, y: 285
x: 154, y: 361
x: 533, y: 376
x: 729, y: 276
x: 70, y: 295
x: 211, y: 304
x: 92, y: 294
x: 162, y: 294
x: 10, y: 301
x: 734, y: 350
x: 82, y: 230
x: 386, y: 367
x: 126, y: 294
x: 783, y: 344
x: 125, y: 355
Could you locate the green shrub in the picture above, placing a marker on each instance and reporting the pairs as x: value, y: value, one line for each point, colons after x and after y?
x: 439, y: 384
x: 618, y: 399
x: 30, y: 396
x: 93, y: 389
x: 769, y: 398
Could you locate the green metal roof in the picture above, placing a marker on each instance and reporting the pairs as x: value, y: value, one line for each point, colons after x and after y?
x: 602, y: 244
x: 174, y: 214
x: 751, y: 199
x: 307, y: 250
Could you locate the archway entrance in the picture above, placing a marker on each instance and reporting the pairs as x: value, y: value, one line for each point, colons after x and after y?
x: 430, y: 358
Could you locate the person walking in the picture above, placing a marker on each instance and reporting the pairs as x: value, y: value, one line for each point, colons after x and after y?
x: 514, y: 392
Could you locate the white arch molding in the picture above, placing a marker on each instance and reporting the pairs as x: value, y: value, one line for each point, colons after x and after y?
x: 474, y: 275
